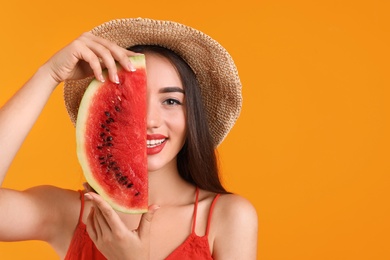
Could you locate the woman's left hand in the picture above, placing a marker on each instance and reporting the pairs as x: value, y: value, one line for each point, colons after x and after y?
x: 111, y: 236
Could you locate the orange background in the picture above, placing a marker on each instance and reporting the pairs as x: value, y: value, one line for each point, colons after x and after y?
x: 311, y: 148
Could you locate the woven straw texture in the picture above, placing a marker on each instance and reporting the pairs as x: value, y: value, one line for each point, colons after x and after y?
x: 214, y: 68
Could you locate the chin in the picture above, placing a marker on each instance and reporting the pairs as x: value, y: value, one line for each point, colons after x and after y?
x: 157, y: 164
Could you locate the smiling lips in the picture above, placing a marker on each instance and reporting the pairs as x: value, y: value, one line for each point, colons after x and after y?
x: 155, y: 143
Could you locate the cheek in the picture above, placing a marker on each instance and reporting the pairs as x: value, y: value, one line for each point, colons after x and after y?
x: 178, y: 124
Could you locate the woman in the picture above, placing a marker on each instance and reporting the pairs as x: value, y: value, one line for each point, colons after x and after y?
x: 191, y: 215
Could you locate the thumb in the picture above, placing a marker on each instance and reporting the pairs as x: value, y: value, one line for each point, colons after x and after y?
x: 146, y: 221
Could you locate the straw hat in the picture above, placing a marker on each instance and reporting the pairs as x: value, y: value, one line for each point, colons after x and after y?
x: 214, y: 68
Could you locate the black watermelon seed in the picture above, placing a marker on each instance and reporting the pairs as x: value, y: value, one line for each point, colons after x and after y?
x: 117, y: 109
x: 109, y: 138
x: 101, y: 158
x: 129, y: 185
x: 103, y: 126
x: 107, y: 113
x: 123, y: 178
x: 99, y: 147
x: 109, y: 144
x: 137, y: 194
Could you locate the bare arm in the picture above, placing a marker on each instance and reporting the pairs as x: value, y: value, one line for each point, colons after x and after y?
x: 30, y: 214
x: 20, y: 113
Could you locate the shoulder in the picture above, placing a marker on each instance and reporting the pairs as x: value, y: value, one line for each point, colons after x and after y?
x: 230, y: 208
x: 235, y: 228
x: 234, y: 210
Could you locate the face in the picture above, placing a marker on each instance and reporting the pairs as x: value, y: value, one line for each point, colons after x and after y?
x: 166, y: 115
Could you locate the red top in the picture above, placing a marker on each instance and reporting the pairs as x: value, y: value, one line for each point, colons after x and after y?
x: 194, y: 247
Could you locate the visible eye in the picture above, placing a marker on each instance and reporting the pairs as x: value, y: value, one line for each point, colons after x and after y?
x: 172, y: 102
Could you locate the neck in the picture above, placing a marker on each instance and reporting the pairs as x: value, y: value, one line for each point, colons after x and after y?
x: 167, y: 187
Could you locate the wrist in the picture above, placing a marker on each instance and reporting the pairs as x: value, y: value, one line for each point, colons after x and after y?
x: 46, y: 78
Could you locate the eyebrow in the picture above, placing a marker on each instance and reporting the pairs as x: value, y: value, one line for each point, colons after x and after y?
x: 171, y: 89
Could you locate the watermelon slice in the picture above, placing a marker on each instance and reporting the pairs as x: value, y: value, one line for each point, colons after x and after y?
x: 111, y: 138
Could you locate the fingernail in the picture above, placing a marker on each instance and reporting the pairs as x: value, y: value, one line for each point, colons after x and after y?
x: 116, y: 79
x: 131, y: 67
x: 85, y: 185
x: 101, y: 78
x: 87, y: 196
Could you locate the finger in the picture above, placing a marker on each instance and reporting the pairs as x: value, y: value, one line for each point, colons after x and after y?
x: 109, y: 53
x: 146, y: 220
x: 86, y: 54
x: 108, y: 213
x: 104, y: 228
x: 107, y: 59
x: 91, y: 226
x: 93, y: 51
x: 120, y: 54
x: 98, y: 229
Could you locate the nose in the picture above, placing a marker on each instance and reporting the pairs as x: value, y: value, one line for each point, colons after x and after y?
x: 153, y: 116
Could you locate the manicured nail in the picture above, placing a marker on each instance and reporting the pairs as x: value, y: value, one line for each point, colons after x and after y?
x: 101, y: 78
x: 131, y: 67
x: 116, y: 79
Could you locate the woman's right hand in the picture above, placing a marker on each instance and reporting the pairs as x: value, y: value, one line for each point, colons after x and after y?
x: 88, y: 55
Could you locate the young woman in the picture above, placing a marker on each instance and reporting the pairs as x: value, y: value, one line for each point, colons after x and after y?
x: 193, y: 99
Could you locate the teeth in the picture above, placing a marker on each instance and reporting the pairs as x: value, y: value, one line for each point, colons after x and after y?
x: 153, y: 143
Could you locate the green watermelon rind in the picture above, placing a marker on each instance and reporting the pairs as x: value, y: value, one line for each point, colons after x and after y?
x: 138, y: 61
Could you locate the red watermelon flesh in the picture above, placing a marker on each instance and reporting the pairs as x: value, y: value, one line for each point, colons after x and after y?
x: 111, y: 138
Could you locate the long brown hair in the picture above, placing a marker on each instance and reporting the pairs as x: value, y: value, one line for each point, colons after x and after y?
x: 197, y: 160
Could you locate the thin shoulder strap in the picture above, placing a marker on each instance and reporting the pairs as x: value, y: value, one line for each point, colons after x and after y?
x: 211, y: 213
x: 82, y: 205
x: 195, y: 209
